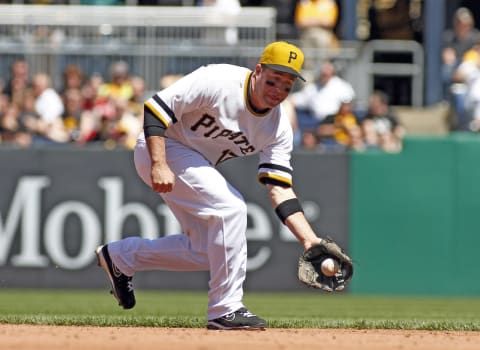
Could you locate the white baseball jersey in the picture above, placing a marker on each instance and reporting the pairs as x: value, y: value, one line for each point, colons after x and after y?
x: 208, y: 111
x: 208, y: 120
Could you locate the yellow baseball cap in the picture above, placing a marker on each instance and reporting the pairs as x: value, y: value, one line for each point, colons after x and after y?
x: 284, y: 57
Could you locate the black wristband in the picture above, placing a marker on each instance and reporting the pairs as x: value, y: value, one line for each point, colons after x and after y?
x: 287, y: 208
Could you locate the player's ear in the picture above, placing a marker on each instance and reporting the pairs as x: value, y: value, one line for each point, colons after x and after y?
x: 258, y: 69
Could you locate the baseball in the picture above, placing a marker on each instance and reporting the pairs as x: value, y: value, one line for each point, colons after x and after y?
x: 329, y: 267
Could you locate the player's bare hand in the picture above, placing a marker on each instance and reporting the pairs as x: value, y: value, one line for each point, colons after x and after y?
x: 163, y: 178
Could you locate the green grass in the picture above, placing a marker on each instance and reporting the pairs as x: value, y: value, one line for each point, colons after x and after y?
x: 282, y: 310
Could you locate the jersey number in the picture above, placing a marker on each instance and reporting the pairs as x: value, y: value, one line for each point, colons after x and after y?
x: 227, y: 154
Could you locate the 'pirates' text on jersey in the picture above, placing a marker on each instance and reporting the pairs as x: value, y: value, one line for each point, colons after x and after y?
x: 208, y: 111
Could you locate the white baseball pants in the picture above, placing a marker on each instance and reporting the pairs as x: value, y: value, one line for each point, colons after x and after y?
x: 213, y: 217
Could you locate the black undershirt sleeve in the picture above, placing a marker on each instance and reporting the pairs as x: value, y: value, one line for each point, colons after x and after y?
x: 152, y: 126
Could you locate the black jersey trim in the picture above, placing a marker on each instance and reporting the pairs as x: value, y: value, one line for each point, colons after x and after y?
x: 167, y: 109
x: 276, y: 167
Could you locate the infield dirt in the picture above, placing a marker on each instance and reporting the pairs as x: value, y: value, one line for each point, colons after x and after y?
x: 22, y: 337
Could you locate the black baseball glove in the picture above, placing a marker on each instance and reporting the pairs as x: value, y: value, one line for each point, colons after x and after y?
x: 310, y: 272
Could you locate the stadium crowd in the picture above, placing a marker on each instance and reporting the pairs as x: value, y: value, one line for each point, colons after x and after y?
x: 102, y: 111
x: 86, y: 110
x: 107, y: 111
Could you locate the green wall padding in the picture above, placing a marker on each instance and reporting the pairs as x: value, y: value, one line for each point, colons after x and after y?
x: 414, y: 218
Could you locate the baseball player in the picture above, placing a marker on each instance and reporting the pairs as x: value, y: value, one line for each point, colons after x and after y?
x: 213, y: 114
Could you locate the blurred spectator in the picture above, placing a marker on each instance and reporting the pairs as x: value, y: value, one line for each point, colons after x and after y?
x: 29, y: 117
x: 292, y: 114
x: 139, y: 95
x: 128, y: 126
x: 49, y: 108
x: 72, y: 78
x: 315, y: 21
x: 100, y: 124
x: 4, y: 102
x: 18, y: 82
x: 89, y: 121
x: 12, y: 128
x: 393, y: 19
x: 463, y: 35
x: 468, y: 73
x: 90, y: 90
x: 456, y: 43
x: 131, y: 120
x: 119, y: 86
x: 462, y: 90
x: 73, y: 101
x: 380, y: 126
x: 322, y: 97
x: 341, y: 131
x: 473, y: 106
x: 309, y: 139
x: 72, y: 98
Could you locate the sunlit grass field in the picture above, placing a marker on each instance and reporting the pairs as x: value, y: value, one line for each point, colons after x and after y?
x: 309, y: 309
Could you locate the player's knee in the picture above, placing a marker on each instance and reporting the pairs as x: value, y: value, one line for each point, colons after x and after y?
x: 234, y: 210
x: 238, y: 208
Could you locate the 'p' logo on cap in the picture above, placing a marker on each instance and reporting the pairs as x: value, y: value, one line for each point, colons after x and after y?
x: 284, y: 57
x: 293, y: 56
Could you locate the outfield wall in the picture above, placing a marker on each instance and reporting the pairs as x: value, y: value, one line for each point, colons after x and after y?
x: 414, y: 218
x: 58, y: 204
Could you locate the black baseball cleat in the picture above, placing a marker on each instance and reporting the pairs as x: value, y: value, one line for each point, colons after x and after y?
x: 240, y: 319
x: 122, y: 287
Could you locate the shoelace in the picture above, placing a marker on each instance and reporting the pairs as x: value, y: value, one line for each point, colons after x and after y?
x: 246, y: 313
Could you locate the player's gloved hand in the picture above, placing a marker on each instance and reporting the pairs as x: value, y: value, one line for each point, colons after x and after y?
x: 310, y: 272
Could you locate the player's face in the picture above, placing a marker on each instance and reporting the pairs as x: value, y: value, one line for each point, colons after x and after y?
x: 272, y: 87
